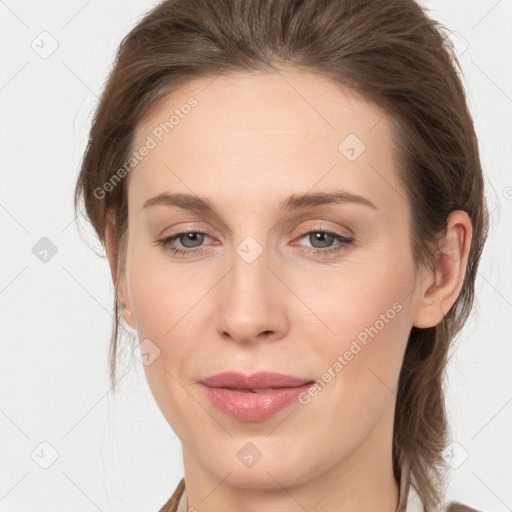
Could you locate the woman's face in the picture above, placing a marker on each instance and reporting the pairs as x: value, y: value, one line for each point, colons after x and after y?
x: 320, y: 289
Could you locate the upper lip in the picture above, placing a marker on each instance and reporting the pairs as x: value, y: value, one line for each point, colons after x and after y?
x: 260, y: 380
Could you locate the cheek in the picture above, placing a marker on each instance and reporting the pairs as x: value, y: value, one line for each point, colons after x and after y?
x: 366, y: 320
x: 161, y: 297
x: 171, y: 308
x: 163, y: 303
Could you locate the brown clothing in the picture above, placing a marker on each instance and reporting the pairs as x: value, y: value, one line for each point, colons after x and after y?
x: 408, y: 502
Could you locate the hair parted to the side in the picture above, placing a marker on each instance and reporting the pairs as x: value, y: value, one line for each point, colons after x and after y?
x: 389, y: 52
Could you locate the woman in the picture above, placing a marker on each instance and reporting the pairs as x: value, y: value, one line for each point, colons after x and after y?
x: 291, y: 200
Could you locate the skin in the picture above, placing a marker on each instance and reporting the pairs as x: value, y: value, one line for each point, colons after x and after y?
x: 252, y: 141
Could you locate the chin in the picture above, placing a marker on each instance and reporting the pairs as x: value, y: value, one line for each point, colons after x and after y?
x: 273, y: 465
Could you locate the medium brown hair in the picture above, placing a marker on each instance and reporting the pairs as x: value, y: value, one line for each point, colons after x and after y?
x: 389, y: 52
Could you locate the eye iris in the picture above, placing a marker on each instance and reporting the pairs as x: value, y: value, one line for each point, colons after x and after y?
x: 193, y: 237
x: 324, y: 238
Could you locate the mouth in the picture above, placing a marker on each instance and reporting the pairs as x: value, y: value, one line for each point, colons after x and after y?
x: 253, y: 397
x: 256, y: 382
x: 253, y: 390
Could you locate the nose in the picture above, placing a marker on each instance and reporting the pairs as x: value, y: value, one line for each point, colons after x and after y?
x: 252, y: 301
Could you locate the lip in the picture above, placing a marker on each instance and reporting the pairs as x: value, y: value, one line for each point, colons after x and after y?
x: 230, y: 393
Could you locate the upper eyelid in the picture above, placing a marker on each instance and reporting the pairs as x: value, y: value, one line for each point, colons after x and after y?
x: 319, y: 227
x: 301, y: 232
x: 317, y: 224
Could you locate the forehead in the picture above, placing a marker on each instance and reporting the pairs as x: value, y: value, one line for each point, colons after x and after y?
x: 259, y: 132
x: 287, y: 100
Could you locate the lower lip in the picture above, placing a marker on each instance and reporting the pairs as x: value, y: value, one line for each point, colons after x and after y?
x: 248, y: 406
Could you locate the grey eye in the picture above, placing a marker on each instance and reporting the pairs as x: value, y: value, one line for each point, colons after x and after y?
x: 189, y: 239
x: 323, y: 239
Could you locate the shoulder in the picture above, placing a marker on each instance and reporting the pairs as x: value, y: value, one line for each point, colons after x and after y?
x: 414, y: 503
x: 455, y: 506
x: 172, y: 503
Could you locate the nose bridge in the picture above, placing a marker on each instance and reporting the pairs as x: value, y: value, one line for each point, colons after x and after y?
x: 249, y: 304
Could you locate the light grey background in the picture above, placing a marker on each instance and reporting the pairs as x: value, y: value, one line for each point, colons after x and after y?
x: 55, y: 315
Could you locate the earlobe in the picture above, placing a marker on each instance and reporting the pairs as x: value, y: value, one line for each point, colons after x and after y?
x: 441, y: 286
x: 128, y: 316
x: 111, y: 252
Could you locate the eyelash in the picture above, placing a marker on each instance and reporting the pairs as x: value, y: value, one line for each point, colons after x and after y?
x: 344, y: 241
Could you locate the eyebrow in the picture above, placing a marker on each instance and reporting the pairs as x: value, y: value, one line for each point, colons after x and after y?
x: 292, y: 203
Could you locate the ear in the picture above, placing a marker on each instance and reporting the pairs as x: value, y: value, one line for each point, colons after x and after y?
x: 111, y: 250
x: 440, y: 287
